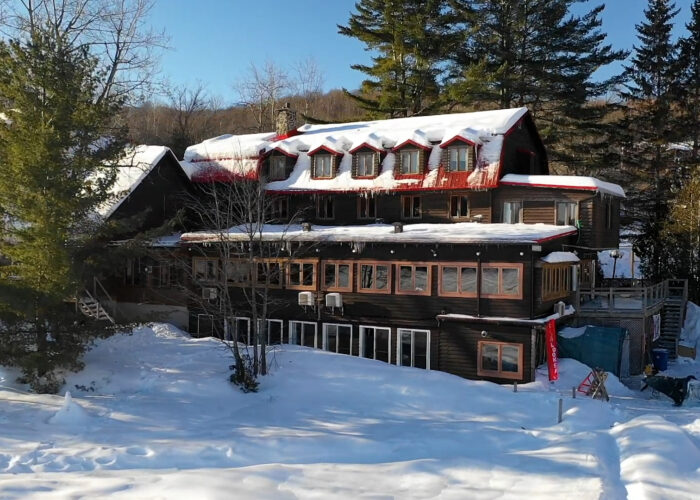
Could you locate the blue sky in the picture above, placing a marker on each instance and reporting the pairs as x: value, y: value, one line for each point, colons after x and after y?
x: 214, y: 41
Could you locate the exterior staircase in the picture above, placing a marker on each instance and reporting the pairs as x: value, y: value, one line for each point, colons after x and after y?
x: 90, y: 306
x: 672, y: 316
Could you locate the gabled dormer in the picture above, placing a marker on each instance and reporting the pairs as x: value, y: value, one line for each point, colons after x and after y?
x: 459, y: 154
x: 324, y: 162
x: 366, y: 160
x: 411, y: 158
x: 278, y: 164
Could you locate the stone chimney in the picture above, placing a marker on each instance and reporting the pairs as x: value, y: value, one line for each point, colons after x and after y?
x: 286, y: 119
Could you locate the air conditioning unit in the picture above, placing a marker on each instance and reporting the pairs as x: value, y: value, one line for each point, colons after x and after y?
x: 560, y: 308
x: 334, y: 300
x: 306, y: 299
x: 209, y: 293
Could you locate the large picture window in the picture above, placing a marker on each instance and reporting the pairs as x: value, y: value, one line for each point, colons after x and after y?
x: 375, y: 343
x: 458, y: 280
x: 374, y: 278
x: 413, y: 279
x: 337, y: 276
x: 301, y: 275
x: 302, y: 333
x: 413, y: 348
x: 500, y: 360
x: 338, y: 338
x: 409, y: 159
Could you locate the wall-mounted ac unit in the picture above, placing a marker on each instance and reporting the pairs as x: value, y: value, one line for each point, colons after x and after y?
x: 209, y: 293
x: 306, y: 299
x: 334, y: 300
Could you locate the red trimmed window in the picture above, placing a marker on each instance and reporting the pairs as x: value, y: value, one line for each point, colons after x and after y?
x: 374, y: 278
x: 409, y: 160
x: 301, y: 275
x: 413, y: 279
x: 458, y: 280
x: 365, y: 164
x: 337, y: 276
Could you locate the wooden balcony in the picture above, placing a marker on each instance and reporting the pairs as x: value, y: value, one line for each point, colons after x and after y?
x: 633, y: 301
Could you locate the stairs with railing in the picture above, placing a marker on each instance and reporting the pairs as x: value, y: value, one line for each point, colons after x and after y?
x: 672, y: 316
x: 90, y: 305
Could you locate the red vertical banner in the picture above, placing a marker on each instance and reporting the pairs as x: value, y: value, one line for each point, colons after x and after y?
x: 552, y: 354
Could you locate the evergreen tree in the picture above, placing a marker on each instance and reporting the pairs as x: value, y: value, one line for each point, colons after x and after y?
x: 536, y: 53
x: 648, y: 129
x: 689, y: 82
x: 57, y: 149
x: 411, y: 38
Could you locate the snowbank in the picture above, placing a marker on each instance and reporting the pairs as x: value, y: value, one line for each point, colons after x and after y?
x: 690, y: 334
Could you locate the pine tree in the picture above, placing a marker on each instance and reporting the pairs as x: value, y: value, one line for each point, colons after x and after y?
x: 535, y: 53
x: 689, y: 82
x: 411, y: 39
x: 648, y: 128
x: 56, y: 150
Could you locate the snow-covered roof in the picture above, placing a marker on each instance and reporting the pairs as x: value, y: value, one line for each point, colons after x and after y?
x: 237, y: 154
x: 485, y: 128
x: 563, y: 182
x: 136, y: 163
x: 560, y: 257
x: 465, y: 232
x: 568, y: 311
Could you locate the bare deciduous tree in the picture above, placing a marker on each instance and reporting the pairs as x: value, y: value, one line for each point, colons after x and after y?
x: 115, y: 31
x: 307, y: 83
x: 261, y: 90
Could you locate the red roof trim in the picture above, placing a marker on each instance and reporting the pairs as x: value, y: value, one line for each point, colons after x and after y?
x: 289, y: 134
x: 556, y: 236
x: 368, y: 146
x: 410, y: 142
x: 578, y: 188
x: 324, y: 148
x: 455, y: 139
x: 224, y: 158
x: 280, y: 150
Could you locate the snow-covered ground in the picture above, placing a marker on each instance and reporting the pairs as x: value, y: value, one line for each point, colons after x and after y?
x: 153, y: 416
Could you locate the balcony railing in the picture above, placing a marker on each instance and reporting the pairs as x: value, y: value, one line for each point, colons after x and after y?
x: 630, y: 299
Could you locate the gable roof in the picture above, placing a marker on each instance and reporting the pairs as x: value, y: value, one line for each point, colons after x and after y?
x: 237, y: 155
x: 134, y: 166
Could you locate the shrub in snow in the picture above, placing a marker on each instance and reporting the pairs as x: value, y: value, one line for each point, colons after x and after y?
x: 244, y: 376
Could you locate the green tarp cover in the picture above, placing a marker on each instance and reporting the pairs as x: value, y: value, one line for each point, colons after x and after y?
x: 597, y: 347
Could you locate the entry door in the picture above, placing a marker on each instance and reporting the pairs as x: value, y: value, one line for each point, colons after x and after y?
x: 413, y: 348
x: 375, y: 343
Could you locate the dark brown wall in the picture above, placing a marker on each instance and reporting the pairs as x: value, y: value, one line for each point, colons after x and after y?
x: 523, y: 137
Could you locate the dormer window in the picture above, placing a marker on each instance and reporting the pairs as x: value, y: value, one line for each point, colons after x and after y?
x: 365, y: 165
x: 460, y: 158
x: 278, y: 168
x: 323, y: 166
x: 409, y: 161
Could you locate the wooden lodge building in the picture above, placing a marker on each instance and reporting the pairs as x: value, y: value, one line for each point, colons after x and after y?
x: 438, y: 242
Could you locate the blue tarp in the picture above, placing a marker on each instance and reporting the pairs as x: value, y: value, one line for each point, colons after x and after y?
x: 598, y: 347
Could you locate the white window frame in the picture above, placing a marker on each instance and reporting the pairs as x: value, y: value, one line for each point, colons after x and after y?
x: 374, y: 347
x: 301, y: 340
x: 211, y: 319
x: 412, y: 331
x: 234, y: 333
x: 281, y: 323
x: 337, y: 343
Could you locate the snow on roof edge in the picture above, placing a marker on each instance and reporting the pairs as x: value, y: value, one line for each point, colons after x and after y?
x: 563, y: 182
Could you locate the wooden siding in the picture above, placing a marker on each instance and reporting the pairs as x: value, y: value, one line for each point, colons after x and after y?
x: 458, y: 348
x: 524, y: 137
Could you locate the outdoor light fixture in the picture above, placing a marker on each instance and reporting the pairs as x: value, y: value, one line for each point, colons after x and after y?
x: 615, y: 254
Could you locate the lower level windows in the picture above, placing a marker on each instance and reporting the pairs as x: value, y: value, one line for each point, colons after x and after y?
x: 366, y: 208
x: 413, y: 348
x: 375, y: 343
x: 411, y: 207
x: 324, y: 207
x: 338, y: 338
x: 303, y: 333
x: 500, y: 359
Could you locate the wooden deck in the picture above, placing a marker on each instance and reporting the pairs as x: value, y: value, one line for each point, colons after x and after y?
x: 630, y: 301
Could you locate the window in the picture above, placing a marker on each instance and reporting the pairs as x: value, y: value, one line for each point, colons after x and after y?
x: 205, y: 269
x: 375, y: 343
x: 459, y: 207
x: 512, y: 212
x: 323, y: 165
x: 566, y: 213
x: 167, y: 274
x: 413, y: 348
x: 338, y: 338
x: 556, y: 281
x: 458, y: 280
x: 365, y: 165
x: 269, y: 272
x: 238, y: 272
x: 279, y: 208
x: 301, y: 275
x: 500, y: 359
x: 413, y: 279
x: 324, y: 207
x: 460, y: 158
x: 278, y: 167
x: 409, y: 161
x: 501, y: 281
x: 374, y: 278
x: 410, y: 207
x: 337, y: 276
x: 205, y: 325
x: 241, y: 330
x: 366, y: 207
x: 302, y: 333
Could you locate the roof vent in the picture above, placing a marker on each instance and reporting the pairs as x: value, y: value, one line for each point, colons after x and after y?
x: 398, y: 227
x: 306, y: 227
